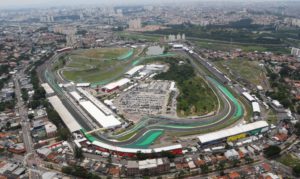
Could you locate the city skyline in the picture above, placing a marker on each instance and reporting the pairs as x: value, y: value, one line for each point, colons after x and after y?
x: 50, y: 3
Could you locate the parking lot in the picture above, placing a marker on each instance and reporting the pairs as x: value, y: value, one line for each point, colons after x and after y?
x: 147, y: 98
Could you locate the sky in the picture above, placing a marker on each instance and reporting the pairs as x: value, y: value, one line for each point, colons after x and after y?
x: 45, y: 3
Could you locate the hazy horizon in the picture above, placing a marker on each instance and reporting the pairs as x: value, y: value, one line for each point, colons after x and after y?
x: 51, y: 3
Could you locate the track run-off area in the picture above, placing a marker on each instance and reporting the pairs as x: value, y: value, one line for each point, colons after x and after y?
x: 149, y: 129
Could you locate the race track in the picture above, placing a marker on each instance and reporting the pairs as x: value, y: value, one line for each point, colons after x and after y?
x: 149, y: 129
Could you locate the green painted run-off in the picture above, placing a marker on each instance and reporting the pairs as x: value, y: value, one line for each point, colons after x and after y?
x: 239, y: 110
x: 126, y: 55
x: 147, y: 139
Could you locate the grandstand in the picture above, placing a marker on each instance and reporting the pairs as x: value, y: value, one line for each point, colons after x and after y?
x: 65, y: 115
x: 94, y: 100
x: 234, y: 133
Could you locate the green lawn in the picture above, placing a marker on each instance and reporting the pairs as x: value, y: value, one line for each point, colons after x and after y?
x: 196, y: 98
x: 289, y: 160
x: 249, y: 70
x: 138, y: 36
x: 271, y: 117
x: 94, y: 65
x: 219, y: 45
x: 101, y: 53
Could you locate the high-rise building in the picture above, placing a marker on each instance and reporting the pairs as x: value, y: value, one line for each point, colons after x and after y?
x: 295, y: 52
x: 47, y: 18
x: 171, y: 38
x: 135, y: 24
x: 120, y: 12
x: 296, y: 22
x: 183, y: 37
x: 178, y: 37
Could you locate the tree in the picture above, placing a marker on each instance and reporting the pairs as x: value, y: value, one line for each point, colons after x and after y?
x: 30, y: 116
x: 93, y: 176
x: 39, y: 93
x: 296, y: 170
x: 221, y: 165
x: 63, y: 134
x: 248, y: 159
x: 140, y: 155
x: 67, y: 170
x: 204, y: 168
x: 79, y: 171
x: 298, y: 109
x: 8, y: 124
x: 297, y: 128
x: 167, y: 154
x: 34, y: 104
x: 24, y: 94
x: 54, y: 117
x: 235, y: 162
x: 272, y: 151
x: 78, y: 153
x: 109, y: 159
x: 181, y: 174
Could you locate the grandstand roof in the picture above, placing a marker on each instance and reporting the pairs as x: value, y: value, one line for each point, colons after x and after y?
x: 47, y: 88
x: 248, y: 96
x: 65, y: 115
x: 205, y: 138
x: 255, y: 107
x: 116, y: 84
x: 83, y: 84
x: 134, y: 70
x: 134, y: 150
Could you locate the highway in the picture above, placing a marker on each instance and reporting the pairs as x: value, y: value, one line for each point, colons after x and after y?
x: 226, y: 114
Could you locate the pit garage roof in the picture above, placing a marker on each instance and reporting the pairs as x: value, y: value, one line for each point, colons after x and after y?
x: 94, y: 100
x: 134, y: 70
x: 105, y: 121
x: 213, y: 136
x: 178, y: 46
x: 47, y: 88
x: 83, y: 84
x: 75, y: 95
x: 134, y: 150
x: 116, y: 84
x: 255, y: 107
x: 65, y: 115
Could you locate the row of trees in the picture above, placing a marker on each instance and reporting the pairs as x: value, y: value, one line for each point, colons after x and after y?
x: 39, y: 96
x: 79, y: 171
x: 143, y: 156
x: 4, y: 69
x: 274, y: 151
x: 7, y: 105
x: 236, y: 31
x: 296, y: 168
x: 282, y: 90
x: 24, y: 93
x: 39, y: 99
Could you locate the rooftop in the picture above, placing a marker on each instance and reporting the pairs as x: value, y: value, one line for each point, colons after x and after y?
x: 65, y: 115
x: 232, y: 131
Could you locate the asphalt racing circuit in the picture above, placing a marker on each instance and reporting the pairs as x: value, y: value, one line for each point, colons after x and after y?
x: 146, y: 131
